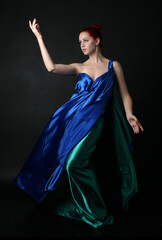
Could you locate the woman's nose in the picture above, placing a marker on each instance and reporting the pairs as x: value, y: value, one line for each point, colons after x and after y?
x: 82, y: 44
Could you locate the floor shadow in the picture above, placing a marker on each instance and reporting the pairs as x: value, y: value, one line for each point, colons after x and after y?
x: 21, y: 216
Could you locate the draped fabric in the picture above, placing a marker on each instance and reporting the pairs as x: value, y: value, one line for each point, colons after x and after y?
x: 68, y: 125
x: 77, y: 194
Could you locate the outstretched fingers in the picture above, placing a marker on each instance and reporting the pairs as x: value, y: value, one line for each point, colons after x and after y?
x: 137, y: 127
x: 30, y: 24
x: 33, y: 24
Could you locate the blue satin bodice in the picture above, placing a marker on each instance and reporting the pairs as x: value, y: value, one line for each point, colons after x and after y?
x: 85, y: 83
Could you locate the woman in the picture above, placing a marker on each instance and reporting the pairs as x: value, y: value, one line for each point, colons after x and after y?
x: 62, y: 156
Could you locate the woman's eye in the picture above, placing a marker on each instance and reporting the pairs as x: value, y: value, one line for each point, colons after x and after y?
x: 85, y: 40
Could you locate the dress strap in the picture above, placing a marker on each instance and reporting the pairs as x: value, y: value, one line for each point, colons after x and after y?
x: 111, y: 63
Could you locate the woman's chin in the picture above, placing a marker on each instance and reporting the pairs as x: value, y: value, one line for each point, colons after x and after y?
x: 85, y: 53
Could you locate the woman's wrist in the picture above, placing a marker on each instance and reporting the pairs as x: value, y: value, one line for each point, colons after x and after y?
x: 128, y: 114
x: 128, y: 105
x: 39, y: 38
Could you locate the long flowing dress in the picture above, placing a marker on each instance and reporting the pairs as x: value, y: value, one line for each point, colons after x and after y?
x: 80, y: 149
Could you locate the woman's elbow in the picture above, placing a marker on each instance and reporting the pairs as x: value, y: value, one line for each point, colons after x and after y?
x: 51, y: 69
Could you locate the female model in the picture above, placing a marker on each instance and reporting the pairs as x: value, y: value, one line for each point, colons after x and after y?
x: 60, y: 161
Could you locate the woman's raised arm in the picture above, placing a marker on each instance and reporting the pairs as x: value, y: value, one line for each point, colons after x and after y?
x: 65, y: 69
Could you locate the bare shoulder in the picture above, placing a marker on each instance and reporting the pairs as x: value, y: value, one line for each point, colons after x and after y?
x: 117, y: 67
x: 116, y: 64
x: 74, y: 67
x: 79, y: 67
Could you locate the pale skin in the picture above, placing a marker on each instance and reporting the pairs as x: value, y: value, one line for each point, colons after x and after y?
x: 95, y: 66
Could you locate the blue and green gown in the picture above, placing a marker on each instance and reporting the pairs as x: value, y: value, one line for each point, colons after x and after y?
x: 82, y: 164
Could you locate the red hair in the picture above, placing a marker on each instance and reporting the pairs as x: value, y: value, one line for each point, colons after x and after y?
x: 94, y: 31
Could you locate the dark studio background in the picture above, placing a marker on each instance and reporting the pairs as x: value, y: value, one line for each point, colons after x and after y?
x: 29, y: 94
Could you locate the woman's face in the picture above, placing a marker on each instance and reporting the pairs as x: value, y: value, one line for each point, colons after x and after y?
x: 87, y: 43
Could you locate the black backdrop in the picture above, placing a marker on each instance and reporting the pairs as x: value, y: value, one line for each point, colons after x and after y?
x: 29, y: 94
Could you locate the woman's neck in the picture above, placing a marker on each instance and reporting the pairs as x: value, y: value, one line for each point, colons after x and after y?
x: 96, y: 57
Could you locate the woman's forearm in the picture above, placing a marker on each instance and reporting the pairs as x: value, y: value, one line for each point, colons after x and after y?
x: 45, y: 55
x: 128, y: 105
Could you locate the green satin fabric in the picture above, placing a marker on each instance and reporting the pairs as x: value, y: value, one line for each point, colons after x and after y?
x: 122, y: 139
x: 77, y: 194
x: 83, y: 200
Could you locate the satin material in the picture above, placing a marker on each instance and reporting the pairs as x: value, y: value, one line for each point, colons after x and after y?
x: 83, y: 200
x: 66, y: 127
x: 78, y: 192
x: 121, y: 143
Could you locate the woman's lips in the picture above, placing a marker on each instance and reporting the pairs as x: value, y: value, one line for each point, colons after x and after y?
x: 84, y: 50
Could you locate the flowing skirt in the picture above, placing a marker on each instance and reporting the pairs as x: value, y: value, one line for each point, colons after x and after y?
x: 77, y: 194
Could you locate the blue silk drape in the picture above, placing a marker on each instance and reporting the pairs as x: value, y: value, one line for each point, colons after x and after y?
x: 66, y: 127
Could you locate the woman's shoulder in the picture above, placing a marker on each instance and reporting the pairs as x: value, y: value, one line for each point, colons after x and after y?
x: 117, y: 66
x: 80, y: 66
x: 116, y: 63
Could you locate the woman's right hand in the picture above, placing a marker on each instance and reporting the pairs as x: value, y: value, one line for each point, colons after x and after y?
x: 35, y: 28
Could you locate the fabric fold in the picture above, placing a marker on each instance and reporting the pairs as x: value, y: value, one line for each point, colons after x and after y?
x: 68, y: 125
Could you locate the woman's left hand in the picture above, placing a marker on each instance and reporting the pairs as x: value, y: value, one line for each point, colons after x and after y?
x: 134, y: 123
